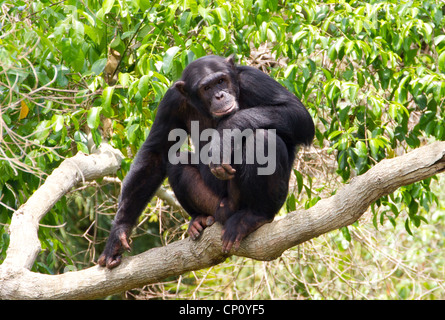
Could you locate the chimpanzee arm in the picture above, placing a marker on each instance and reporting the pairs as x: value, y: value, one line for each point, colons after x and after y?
x: 264, y: 104
x: 145, y: 176
x: 292, y: 123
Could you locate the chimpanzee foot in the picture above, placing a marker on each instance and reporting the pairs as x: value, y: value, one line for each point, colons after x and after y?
x: 239, y: 226
x: 198, y: 224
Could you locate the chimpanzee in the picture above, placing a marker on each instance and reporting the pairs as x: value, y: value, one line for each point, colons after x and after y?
x: 215, y: 94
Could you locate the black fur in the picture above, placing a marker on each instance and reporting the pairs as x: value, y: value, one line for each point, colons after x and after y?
x: 235, y: 196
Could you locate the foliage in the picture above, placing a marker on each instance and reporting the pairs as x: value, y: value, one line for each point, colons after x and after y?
x: 75, y: 73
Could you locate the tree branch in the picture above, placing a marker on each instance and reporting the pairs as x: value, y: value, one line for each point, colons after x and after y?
x: 267, y: 243
x: 24, y: 244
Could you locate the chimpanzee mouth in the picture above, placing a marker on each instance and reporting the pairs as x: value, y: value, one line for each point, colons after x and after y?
x: 227, y: 111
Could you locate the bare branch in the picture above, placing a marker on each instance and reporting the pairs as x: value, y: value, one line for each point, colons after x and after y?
x: 24, y: 244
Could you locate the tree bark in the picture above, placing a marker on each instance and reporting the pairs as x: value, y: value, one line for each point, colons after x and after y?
x: 154, y: 265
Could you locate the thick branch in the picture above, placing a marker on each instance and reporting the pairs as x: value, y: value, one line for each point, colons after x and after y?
x: 266, y: 243
x: 24, y: 244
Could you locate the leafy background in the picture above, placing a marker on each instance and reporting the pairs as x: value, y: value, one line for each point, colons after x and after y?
x: 75, y: 73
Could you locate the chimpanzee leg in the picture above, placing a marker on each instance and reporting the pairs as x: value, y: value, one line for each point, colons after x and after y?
x: 230, y: 203
x: 199, y: 192
x: 260, y: 196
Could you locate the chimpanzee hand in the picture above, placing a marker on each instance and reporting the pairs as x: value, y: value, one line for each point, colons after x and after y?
x: 222, y: 171
x: 116, y: 244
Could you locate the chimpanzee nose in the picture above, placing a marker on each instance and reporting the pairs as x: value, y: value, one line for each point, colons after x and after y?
x: 219, y: 95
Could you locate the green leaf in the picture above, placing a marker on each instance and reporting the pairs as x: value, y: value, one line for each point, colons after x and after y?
x: 290, y: 203
x: 327, y: 74
x: 42, y: 130
x: 407, y: 228
x: 145, y: 4
x: 206, y: 14
x: 442, y: 62
x: 143, y: 85
x: 332, y: 53
x: 107, y: 96
x: 93, y: 33
x: 93, y: 117
x: 168, y: 58
x: 124, y: 79
x: 374, y: 216
x: 440, y: 131
x: 81, y: 140
x: 58, y: 123
x: 184, y: 22
x: 332, y: 90
x: 107, y: 5
x: 439, y: 39
x: 99, y: 66
x: 106, y: 8
x: 299, y: 178
x: 362, y: 151
x: 73, y: 55
x: 78, y: 31
x: 222, y: 15
x: 421, y: 101
x: 97, y: 138
x: 413, y: 209
x: 374, y: 146
x: 132, y: 133
x: 346, y: 234
x: 247, y: 4
x: 334, y: 134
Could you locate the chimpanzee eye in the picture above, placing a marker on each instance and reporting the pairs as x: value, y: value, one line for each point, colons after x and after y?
x: 220, y: 80
x: 207, y: 88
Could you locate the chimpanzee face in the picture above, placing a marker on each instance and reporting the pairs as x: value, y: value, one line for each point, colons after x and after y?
x: 209, y: 84
x: 218, y: 95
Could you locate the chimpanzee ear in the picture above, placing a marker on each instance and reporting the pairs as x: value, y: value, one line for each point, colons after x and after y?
x: 180, y: 86
x: 230, y: 61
